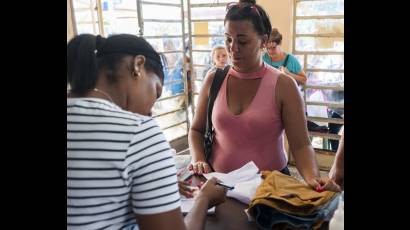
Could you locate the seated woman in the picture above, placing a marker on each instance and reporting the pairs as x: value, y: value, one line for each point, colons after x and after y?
x: 254, y: 106
x: 120, y: 170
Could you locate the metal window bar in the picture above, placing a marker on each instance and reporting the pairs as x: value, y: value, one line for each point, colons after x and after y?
x: 174, y: 96
x: 328, y: 136
x: 319, y: 17
x: 173, y: 82
x: 162, y: 4
x: 326, y: 120
x: 183, y: 152
x: 207, y: 51
x: 207, y: 35
x: 191, y: 67
x: 100, y: 18
x: 192, y: 35
x: 84, y: 9
x: 305, y: 54
x: 73, y: 19
x: 140, y: 18
x: 201, y: 65
x: 166, y: 113
x: 174, y: 125
x: 317, y: 52
x: 336, y: 88
x: 171, y: 51
x: 141, y: 22
x: 124, y: 10
x: 328, y: 104
x: 208, y: 20
x: 198, y: 5
x: 163, y: 36
x: 326, y: 70
x: 85, y: 23
x: 126, y: 17
x: 321, y: 35
x: 184, y: 67
x: 163, y: 20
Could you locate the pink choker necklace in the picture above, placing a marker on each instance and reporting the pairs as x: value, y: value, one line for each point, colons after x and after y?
x: 253, y: 75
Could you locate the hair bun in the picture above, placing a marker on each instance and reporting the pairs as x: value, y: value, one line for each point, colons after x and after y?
x: 253, y: 2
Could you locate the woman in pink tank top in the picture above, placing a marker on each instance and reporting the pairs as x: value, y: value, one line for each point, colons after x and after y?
x: 253, y: 108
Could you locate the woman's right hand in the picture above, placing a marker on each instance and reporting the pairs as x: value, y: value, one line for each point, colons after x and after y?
x: 337, y: 174
x: 200, y: 167
x: 323, y: 184
x: 214, y: 193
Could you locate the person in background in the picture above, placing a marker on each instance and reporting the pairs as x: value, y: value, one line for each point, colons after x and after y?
x: 255, y: 105
x: 286, y: 63
x: 120, y: 170
x: 219, y: 57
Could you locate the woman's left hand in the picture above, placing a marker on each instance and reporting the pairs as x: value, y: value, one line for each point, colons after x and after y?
x: 337, y: 174
x: 323, y: 184
x: 185, y: 189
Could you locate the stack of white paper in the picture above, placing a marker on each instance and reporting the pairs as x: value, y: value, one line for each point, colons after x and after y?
x: 245, y: 180
x: 188, y: 203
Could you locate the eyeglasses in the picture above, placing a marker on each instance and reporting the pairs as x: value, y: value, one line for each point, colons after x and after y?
x: 246, y: 8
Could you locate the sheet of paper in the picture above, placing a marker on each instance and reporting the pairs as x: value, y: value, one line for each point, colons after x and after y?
x: 244, y: 191
x: 245, y: 173
x: 188, y: 203
x: 245, y: 180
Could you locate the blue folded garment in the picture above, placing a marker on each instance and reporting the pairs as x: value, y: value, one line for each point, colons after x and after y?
x: 266, y: 217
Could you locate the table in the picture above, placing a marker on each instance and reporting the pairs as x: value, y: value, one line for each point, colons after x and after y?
x: 230, y: 215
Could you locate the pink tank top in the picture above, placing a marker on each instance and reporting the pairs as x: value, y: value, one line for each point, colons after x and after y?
x: 254, y: 135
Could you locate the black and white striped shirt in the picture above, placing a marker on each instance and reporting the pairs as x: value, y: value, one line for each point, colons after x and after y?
x: 118, y: 164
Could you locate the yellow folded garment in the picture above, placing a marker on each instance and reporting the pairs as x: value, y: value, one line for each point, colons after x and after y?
x: 289, y: 195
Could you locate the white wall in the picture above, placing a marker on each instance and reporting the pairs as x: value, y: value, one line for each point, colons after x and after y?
x: 281, y: 16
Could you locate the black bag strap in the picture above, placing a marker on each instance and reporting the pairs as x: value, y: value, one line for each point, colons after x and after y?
x: 213, y: 92
x: 285, y: 63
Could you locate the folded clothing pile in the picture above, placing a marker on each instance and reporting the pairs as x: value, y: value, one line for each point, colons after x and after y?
x: 285, y: 202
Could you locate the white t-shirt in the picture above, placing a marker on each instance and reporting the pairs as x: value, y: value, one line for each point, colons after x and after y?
x: 118, y: 164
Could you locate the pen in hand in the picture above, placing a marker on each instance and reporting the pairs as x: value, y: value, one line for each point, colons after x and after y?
x: 224, y: 185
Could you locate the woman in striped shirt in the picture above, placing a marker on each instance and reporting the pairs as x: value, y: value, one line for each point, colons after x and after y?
x: 120, y: 170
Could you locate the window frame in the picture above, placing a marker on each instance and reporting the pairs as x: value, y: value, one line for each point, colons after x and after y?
x: 325, y: 157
